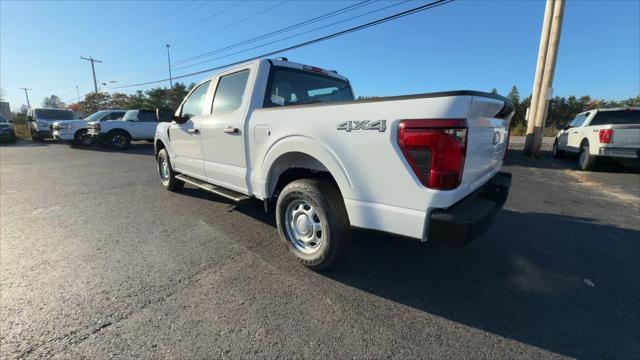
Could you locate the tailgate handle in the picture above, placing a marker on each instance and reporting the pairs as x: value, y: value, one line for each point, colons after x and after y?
x: 194, y: 131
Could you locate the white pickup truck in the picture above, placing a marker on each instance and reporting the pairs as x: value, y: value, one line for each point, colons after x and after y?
x: 601, y: 133
x: 423, y: 166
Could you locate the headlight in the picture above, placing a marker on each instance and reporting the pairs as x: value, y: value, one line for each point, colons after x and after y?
x: 62, y: 127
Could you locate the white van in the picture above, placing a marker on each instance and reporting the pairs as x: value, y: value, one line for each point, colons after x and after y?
x: 41, y: 121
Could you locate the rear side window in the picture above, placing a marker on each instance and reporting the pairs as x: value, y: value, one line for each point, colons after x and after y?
x: 147, y: 116
x: 295, y: 87
x: 616, y: 117
x: 230, y: 92
x: 194, y: 105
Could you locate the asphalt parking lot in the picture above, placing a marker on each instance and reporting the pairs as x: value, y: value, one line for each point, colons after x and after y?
x: 97, y: 260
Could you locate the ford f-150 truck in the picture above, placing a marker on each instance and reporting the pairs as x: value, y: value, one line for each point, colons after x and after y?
x: 423, y: 166
x: 601, y: 133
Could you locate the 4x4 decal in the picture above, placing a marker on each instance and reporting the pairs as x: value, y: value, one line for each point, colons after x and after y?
x: 380, y: 125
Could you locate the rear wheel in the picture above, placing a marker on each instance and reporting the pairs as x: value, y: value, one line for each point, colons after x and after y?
x: 119, y: 140
x: 313, y: 222
x: 167, y: 175
x: 586, y: 161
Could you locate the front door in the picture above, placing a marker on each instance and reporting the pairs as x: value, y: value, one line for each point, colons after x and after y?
x: 223, y: 133
x: 574, y: 133
x: 186, y: 137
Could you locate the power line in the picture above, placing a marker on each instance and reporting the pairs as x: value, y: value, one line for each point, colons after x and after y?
x: 271, y: 34
x: 245, y: 19
x: 218, y: 13
x: 296, y: 35
x: 307, y: 43
x: 279, y: 31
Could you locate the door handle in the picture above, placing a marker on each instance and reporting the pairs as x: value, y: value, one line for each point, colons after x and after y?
x: 194, y: 131
x: 231, y: 130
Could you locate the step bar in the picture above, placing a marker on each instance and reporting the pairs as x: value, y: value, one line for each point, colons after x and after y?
x: 220, y: 191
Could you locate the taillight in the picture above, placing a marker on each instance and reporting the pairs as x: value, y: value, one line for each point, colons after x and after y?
x: 506, y: 146
x: 435, y: 150
x: 605, y: 136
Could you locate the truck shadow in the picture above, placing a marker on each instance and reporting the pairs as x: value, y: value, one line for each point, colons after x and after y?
x: 546, y: 161
x: 560, y: 283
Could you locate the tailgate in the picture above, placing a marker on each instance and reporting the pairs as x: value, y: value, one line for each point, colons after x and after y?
x: 487, y: 139
x: 627, y: 136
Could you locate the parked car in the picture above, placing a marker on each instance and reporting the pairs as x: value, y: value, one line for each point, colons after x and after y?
x: 424, y: 166
x: 601, y: 133
x: 41, y: 120
x: 7, y: 131
x: 134, y: 125
x: 75, y: 131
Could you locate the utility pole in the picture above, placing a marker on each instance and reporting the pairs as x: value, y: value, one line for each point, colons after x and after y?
x: 543, y: 80
x: 169, y: 61
x: 547, y: 79
x: 78, y: 91
x: 27, y: 95
x: 537, y: 80
x: 93, y: 69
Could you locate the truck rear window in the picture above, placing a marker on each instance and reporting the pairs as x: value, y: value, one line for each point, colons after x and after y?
x: 617, y: 117
x: 296, y: 87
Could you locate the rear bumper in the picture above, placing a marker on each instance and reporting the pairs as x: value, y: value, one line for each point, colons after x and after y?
x: 472, y: 216
x: 627, y: 153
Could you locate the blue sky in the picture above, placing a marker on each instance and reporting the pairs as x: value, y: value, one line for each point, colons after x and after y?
x: 462, y: 45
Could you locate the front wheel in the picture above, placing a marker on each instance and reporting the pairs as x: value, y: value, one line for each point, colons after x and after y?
x: 557, y: 153
x: 167, y: 175
x: 585, y: 159
x: 313, y: 222
x: 81, y: 138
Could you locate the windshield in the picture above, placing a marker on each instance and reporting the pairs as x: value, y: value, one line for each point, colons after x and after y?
x: 617, y: 117
x: 96, y: 116
x: 295, y: 87
x: 54, y: 114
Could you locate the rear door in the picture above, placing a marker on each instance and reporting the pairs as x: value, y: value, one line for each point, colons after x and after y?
x: 223, y: 132
x: 144, y: 126
x: 186, y: 137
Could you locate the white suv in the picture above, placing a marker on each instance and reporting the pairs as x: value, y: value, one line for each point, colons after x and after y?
x: 41, y: 121
x: 134, y: 125
x: 75, y: 131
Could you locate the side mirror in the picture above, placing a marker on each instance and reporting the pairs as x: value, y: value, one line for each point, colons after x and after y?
x: 179, y: 119
x: 30, y: 118
x: 560, y: 127
x: 12, y: 121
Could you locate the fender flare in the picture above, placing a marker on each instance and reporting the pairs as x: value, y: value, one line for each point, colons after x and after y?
x: 310, y: 147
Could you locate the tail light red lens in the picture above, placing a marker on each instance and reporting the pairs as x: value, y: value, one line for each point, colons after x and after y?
x: 605, y: 136
x: 435, y: 150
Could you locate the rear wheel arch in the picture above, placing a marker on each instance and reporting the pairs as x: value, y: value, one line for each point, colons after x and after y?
x: 118, y: 130
x: 295, y: 166
x: 584, y: 142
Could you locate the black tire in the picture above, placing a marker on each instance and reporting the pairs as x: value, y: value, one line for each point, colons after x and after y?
x: 119, y: 139
x: 35, y: 137
x: 326, y: 202
x: 586, y: 161
x: 82, y: 139
x: 557, y: 153
x: 169, y: 180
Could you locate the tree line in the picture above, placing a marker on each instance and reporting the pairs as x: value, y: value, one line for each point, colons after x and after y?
x: 561, y: 109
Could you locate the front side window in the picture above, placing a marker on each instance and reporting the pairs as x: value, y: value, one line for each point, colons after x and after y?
x: 230, y: 92
x: 295, y: 87
x: 194, y: 105
x: 131, y: 115
x: 114, y: 116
